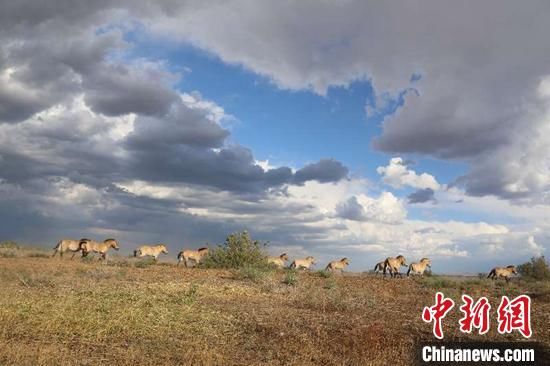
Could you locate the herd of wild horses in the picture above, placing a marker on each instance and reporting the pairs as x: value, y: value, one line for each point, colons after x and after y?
x: 191, y: 256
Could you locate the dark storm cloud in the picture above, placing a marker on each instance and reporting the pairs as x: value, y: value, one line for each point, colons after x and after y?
x: 324, y: 171
x: 183, y: 125
x: 17, y: 105
x: 118, y: 90
x: 351, y: 210
x: 422, y: 195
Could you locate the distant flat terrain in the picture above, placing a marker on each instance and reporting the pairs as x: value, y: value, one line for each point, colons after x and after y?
x: 128, y: 312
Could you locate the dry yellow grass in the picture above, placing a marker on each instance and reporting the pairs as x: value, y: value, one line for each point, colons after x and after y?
x: 63, y: 312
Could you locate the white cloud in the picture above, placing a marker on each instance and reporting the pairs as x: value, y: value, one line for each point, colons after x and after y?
x: 397, y: 175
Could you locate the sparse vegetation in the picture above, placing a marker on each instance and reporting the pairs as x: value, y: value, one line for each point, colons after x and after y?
x: 291, y: 277
x: 537, y: 269
x: 324, y: 274
x: 330, y: 283
x: 73, y: 312
x: 9, y: 244
x: 144, y: 263
x: 254, y: 273
x: 438, y: 282
x: 38, y: 255
x: 7, y: 254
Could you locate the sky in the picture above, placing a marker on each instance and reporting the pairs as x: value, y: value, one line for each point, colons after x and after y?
x: 359, y: 129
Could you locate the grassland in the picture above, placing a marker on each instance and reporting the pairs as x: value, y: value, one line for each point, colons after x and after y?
x: 128, y: 312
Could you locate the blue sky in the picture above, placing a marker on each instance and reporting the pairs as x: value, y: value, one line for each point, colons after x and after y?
x: 424, y: 136
x: 281, y: 125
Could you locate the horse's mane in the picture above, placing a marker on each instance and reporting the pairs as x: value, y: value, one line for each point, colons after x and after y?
x: 424, y: 259
x: 343, y: 259
x: 202, y: 249
x: 510, y: 266
x: 110, y: 239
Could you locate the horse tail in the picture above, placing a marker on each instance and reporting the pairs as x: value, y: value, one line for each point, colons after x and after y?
x: 409, y: 271
x: 292, y: 265
x: 493, y: 273
x: 135, y: 253
x: 57, y: 248
x: 386, y: 265
x: 180, y: 258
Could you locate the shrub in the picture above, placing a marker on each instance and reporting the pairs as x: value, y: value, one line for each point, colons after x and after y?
x: 9, y: 244
x: 238, y: 251
x: 253, y: 273
x: 7, y: 254
x: 324, y: 274
x: 537, y: 269
x: 291, y: 278
x: 144, y: 263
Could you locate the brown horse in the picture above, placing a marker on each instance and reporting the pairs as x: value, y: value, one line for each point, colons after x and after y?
x: 305, y: 263
x: 379, y: 267
x: 419, y: 268
x: 278, y: 261
x: 337, y: 265
x: 192, y: 255
x: 151, y: 251
x: 90, y: 246
x: 505, y: 272
x: 67, y: 245
x: 393, y: 265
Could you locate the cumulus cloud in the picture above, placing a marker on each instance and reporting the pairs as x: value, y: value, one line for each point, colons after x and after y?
x: 325, y: 170
x: 397, y: 175
x: 386, y: 208
x: 462, y: 107
x: 422, y: 195
x: 95, y: 142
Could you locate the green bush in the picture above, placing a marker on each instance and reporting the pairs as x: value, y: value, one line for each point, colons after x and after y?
x: 291, y: 278
x: 324, y: 274
x: 238, y: 251
x: 9, y: 244
x: 537, y: 269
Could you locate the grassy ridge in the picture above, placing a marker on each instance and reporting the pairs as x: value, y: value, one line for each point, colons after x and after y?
x: 56, y: 311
